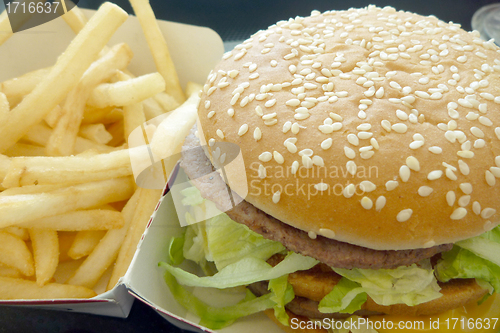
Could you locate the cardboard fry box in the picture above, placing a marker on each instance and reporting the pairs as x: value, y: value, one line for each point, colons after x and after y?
x: 195, y: 51
x: 145, y: 279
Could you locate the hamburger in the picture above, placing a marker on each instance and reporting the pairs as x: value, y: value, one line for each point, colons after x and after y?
x: 364, y: 178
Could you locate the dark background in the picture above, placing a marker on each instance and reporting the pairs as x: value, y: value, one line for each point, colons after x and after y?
x: 233, y: 20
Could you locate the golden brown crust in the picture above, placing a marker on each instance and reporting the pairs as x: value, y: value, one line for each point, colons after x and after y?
x: 354, y: 50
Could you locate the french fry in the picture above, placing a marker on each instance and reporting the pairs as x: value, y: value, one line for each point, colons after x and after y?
x: 84, y: 243
x: 158, y: 46
x: 145, y: 207
x: 106, y: 251
x: 4, y: 166
x: 15, y: 89
x: 11, y: 288
x: 45, y: 253
x: 95, y: 219
x: 96, y: 133
x: 17, y: 209
x: 174, y: 128
x: 63, y: 137
x: 24, y: 149
x: 63, y: 76
x: 5, y: 29
x: 53, y: 116
x: 193, y: 88
x: 32, y: 189
x: 167, y: 102
x: 4, y: 106
x: 104, y: 116
x: 151, y: 108
x: 117, y: 130
x: 18, y: 232
x: 128, y: 92
x: 14, y: 253
x: 46, y: 170
x: 75, y: 19
x: 66, y: 239
x: 9, y: 272
x: 133, y: 117
x: 40, y: 134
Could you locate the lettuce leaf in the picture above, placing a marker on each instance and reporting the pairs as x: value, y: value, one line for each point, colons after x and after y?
x: 410, y: 285
x: 346, y: 297
x: 229, y: 242
x: 244, y: 272
x: 281, y: 289
x: 217, y: 318
x: 460, y: 263
x: 474, y: 258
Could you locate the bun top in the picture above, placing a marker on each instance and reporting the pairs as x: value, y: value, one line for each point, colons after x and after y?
x: 370, y: 126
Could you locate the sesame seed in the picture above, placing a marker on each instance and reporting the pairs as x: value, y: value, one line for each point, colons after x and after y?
x: 380, y: 203
x: 365, y: 135
x: 276, y: 197
x: 243, y: 129
x: 425, y: 191
x: 391, y: 185
x: 413, y: 163
x: 464, y: 200
x: 366, y: 185
x: 270, y: 103
x: 349, y: 153
x: 293, y: 102
x: 450, y: 198
x: 321, y: 187
x: 307, y: 161
x: 220, y: 134
x: 386, y: 125
x: 465, y: 154
x: 349, y: 190
x: 462, y: 59
x: 399, y: 128
x: 351, y: 167
x: 458, y: 213
x: 487, y: 213
x: 327, y: 143
x: 265, y: 156
x: 295, y: 167
x: 485, y: 121
x: 490, y: 178
x: 466, y: 188
x: 366, y: 203
x: 476, y: 208
x: 262, y: 171
x: 433, y: 175
x: 404, y: 215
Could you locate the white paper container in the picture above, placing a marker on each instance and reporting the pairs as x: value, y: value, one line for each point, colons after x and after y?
x: 195, y: 51
x: 145, y: 279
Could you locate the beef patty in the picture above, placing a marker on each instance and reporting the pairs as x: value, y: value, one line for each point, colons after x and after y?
x: 329, y: 251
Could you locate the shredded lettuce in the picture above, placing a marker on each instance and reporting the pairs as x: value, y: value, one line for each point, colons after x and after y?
x: 243, y: 272
x: 346, y: 297
x: 217, y: 318
x: 280, y: 288
x: 410, y: 285
x: 474, y: 258
x: 229, y: 242
x: 460, y: 263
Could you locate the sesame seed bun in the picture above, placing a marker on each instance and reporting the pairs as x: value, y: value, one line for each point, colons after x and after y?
x: 369, y: 126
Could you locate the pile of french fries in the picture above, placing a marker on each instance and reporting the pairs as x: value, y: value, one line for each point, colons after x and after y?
x: 67, y: 191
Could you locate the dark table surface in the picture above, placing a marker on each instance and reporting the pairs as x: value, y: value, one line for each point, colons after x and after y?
x: 233, y: 20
